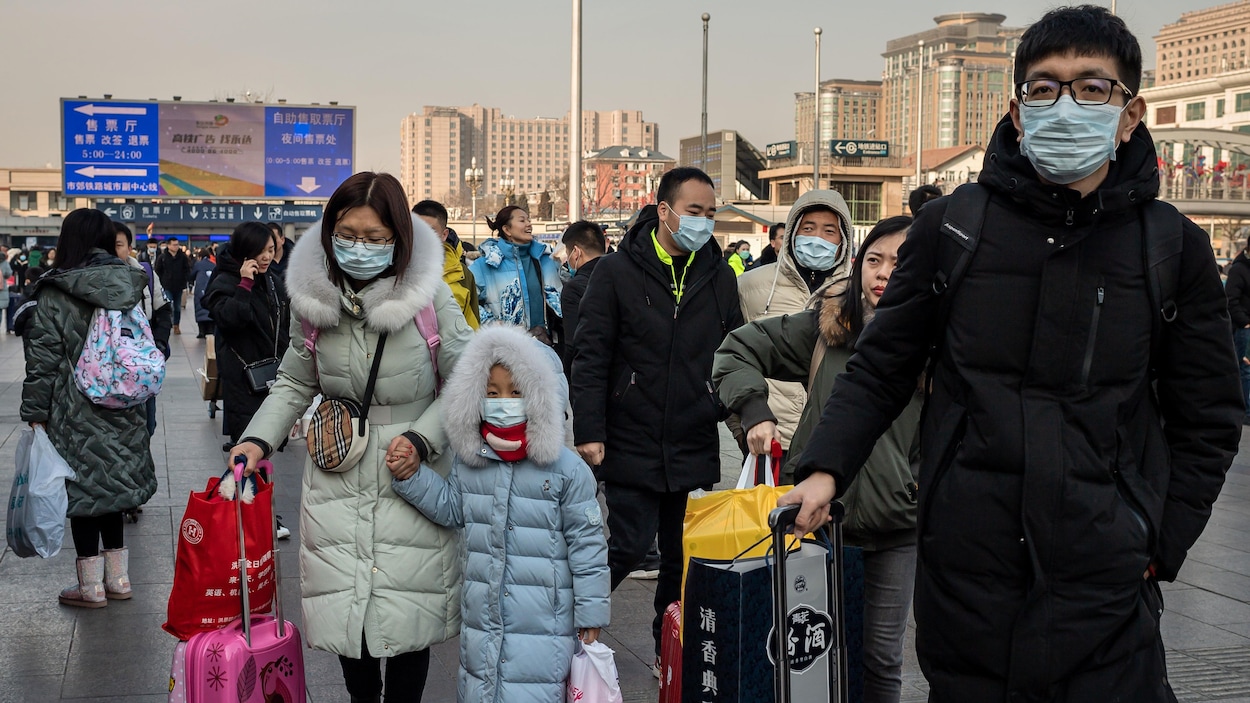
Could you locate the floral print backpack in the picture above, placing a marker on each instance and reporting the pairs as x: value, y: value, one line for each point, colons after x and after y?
x: 120, y: 366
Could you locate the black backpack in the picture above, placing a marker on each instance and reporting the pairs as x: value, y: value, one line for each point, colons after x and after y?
x: 1162, y: 242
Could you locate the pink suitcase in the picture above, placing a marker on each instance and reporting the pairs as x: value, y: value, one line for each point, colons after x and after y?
x: 258, y: 659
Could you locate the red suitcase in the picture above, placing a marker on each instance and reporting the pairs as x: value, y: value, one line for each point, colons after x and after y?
x: 670, y: 655
x: 256, y: 659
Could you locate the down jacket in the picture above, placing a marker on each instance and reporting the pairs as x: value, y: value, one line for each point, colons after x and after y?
x: 369, y: 562
x: 1056, y: 466
x: 536, y: 568
x: 881, y: 504
x: 779, y: 289
x: 502, y: 289
x: 108, y: 449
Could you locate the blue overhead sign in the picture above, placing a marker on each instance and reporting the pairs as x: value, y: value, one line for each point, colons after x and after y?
x: 780, y: 150
x: 857, y: 147
x: 110, y: 148
x: 235, y: 151
x: 210, y: 213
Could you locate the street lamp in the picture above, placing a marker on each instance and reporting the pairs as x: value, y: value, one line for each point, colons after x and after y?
x: 507, y: 184
x: 816, y: 114
x: 473, y: 179
x: 919, y: 113
x: 703, y: 154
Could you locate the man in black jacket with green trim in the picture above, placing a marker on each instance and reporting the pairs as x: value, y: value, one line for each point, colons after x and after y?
x: 644, y: 411
x: 1075, y: 436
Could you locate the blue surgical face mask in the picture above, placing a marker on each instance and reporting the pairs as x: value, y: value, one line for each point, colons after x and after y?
x: 360, y: 263
x: 1066, y: 141
x: 815, y: 253
x: 693, y: 232
x: 503, y: 412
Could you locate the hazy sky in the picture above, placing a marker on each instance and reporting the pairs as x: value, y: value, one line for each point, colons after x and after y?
x: 391, y: 57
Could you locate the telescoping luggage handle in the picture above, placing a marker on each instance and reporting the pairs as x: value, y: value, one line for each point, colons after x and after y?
x: 782, y: 521
x: 277, y: 570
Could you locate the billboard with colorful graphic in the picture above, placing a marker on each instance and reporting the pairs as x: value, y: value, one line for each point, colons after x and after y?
x: 205, y: 150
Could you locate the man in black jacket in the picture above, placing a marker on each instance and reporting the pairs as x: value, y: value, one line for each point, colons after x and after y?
x: 644, y: 410
x: 173, y: 268
x: 1238, y: 292
x: 1075, y: 436
x: 585, y: 243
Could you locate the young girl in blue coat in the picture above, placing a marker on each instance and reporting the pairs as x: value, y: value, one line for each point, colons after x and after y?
x: 536, y: 571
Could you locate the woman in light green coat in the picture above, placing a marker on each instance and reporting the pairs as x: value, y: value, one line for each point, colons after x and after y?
x: 377, y: 579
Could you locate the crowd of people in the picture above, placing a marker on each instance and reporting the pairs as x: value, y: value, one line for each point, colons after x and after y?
x: 1025, y: 409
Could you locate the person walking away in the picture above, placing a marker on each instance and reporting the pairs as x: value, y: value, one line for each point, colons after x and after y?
x: 455, y: 272
x: 107, y: 448
x: 173, y: 268
x: 1083, y: 407
x: 378, y: 580
x: 201, y: 273
x: 505, y: 424
x: 585, y: 244
x: 813, y: 263
x: 644, y: 410
x: 812, y: 347
x: 1238, y: 291
x: 517, y: 278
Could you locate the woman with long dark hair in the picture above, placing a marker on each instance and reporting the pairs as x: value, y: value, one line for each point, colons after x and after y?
x: 813, y: 347
x: 378, y: 579
x: 518, y: 281
x: 247, y: 305
x: 107, y: 448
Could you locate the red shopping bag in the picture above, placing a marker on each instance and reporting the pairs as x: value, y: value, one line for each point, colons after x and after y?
x: 206, y: 594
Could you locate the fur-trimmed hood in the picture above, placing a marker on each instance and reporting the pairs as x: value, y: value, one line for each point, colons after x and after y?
x: 828, y: 306
x: 389, y: 303
x: 536, y: 370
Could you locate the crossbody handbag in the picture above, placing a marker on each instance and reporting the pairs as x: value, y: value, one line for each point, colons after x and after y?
x: 339, y: 432
x: 261, y: 375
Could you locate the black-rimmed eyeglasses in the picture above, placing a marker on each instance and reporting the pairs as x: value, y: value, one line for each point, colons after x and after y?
x: 369, y: 243
x: 1045, y: 92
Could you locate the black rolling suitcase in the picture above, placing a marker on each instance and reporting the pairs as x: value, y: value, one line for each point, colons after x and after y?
x: 810, y: 651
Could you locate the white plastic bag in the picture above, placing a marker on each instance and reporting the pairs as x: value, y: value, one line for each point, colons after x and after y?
x: 592, y: 677
x: 37, y: 503
x: 746, y: 479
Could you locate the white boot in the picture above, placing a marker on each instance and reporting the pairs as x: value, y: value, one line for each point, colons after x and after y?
x: 89, y: 591
x: 117, y: 574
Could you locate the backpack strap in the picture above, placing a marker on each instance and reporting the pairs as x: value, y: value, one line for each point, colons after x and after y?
x: 961, y: 233
x: 427, y: 325
x: 1163, y: 239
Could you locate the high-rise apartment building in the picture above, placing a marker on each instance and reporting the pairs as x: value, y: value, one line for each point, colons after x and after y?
x: 439, y: 143
x: 1202, y: 44
x: 731, y: 162
x: 848, y: 110
x: 960, y: 77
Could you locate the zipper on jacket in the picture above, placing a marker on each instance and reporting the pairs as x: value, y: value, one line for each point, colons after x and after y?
x: 1093, y: 335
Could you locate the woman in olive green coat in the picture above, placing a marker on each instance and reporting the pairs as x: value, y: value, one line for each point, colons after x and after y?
x: 813, y: 346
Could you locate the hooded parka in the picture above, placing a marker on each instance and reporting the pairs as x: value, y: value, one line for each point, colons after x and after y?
x: 107, y: 449
x: 507, y: 293
x: 252, y: 324
x: 536, y: 565
x: 1052, y: 475
x: 779, y: 289
x: 881, y: 503
x: 642, y: 377
x: 369, y: 561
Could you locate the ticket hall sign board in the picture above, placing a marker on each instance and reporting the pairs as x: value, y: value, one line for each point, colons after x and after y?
x: 178, y: 149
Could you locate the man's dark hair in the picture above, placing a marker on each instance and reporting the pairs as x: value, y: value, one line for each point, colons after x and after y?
x: 431, y: 208
x: 922, y: 195
x: 1087, y: 30
x: 587, y: 235
x: 171, y: 239
x: 776, y: 231
x: 671, y: 182
x: 277, y: 230
x: 119, y: 228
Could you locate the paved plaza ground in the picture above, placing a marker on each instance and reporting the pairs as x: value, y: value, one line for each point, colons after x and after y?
x: 119, y: 653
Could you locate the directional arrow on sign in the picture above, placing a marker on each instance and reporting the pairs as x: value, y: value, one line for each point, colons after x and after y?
x: 840, y: 148
x: 110, y: 212
x: 308, y: 184
x: 194, y: 213
x: 93, y: 110
x: 259, y: 213
x: 93, y: 171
